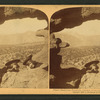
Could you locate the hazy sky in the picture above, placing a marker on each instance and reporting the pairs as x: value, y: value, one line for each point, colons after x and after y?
x: 18, y: 31
x: 22, y: 25
x: 91, y: 27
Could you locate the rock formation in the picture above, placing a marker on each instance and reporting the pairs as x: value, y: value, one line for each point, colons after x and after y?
x: 33, y: 78
x: 66, y: 18
x: 71, y: 17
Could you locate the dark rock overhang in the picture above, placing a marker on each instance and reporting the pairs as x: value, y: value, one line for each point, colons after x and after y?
x: 71, y: 17
x: 7, y: 13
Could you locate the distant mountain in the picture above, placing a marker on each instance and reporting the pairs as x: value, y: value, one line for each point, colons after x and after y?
x: 75, y: 39
x: 22, y: 38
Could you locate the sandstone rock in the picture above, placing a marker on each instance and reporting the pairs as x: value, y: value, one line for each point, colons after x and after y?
x: 33, y: 78
x: 90, y: 81
x: 7, y: 13
x: 42, y: 56
x: 72, y: 17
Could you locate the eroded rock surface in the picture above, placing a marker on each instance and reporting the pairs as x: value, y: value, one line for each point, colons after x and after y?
x: 33, y: 78
x: 72, y: 17
x: 7, y: 13
x: 90, y: 81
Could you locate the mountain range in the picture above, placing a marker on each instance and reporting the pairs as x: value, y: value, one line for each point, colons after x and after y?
x: 22, y: 38
x: 75, y: 39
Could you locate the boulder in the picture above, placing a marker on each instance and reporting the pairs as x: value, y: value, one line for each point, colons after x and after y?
x: 90, y: 81
x: 33, y: 78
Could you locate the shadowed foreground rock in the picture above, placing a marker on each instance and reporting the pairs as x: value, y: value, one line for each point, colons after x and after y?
x: 33, y: 78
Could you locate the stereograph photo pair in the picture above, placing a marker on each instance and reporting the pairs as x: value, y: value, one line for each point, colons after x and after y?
x: 62, y: 52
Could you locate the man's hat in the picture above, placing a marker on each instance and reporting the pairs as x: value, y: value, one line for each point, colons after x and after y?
x: 92, y: 62
x: 12, y: 61
x: 27, y: 59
